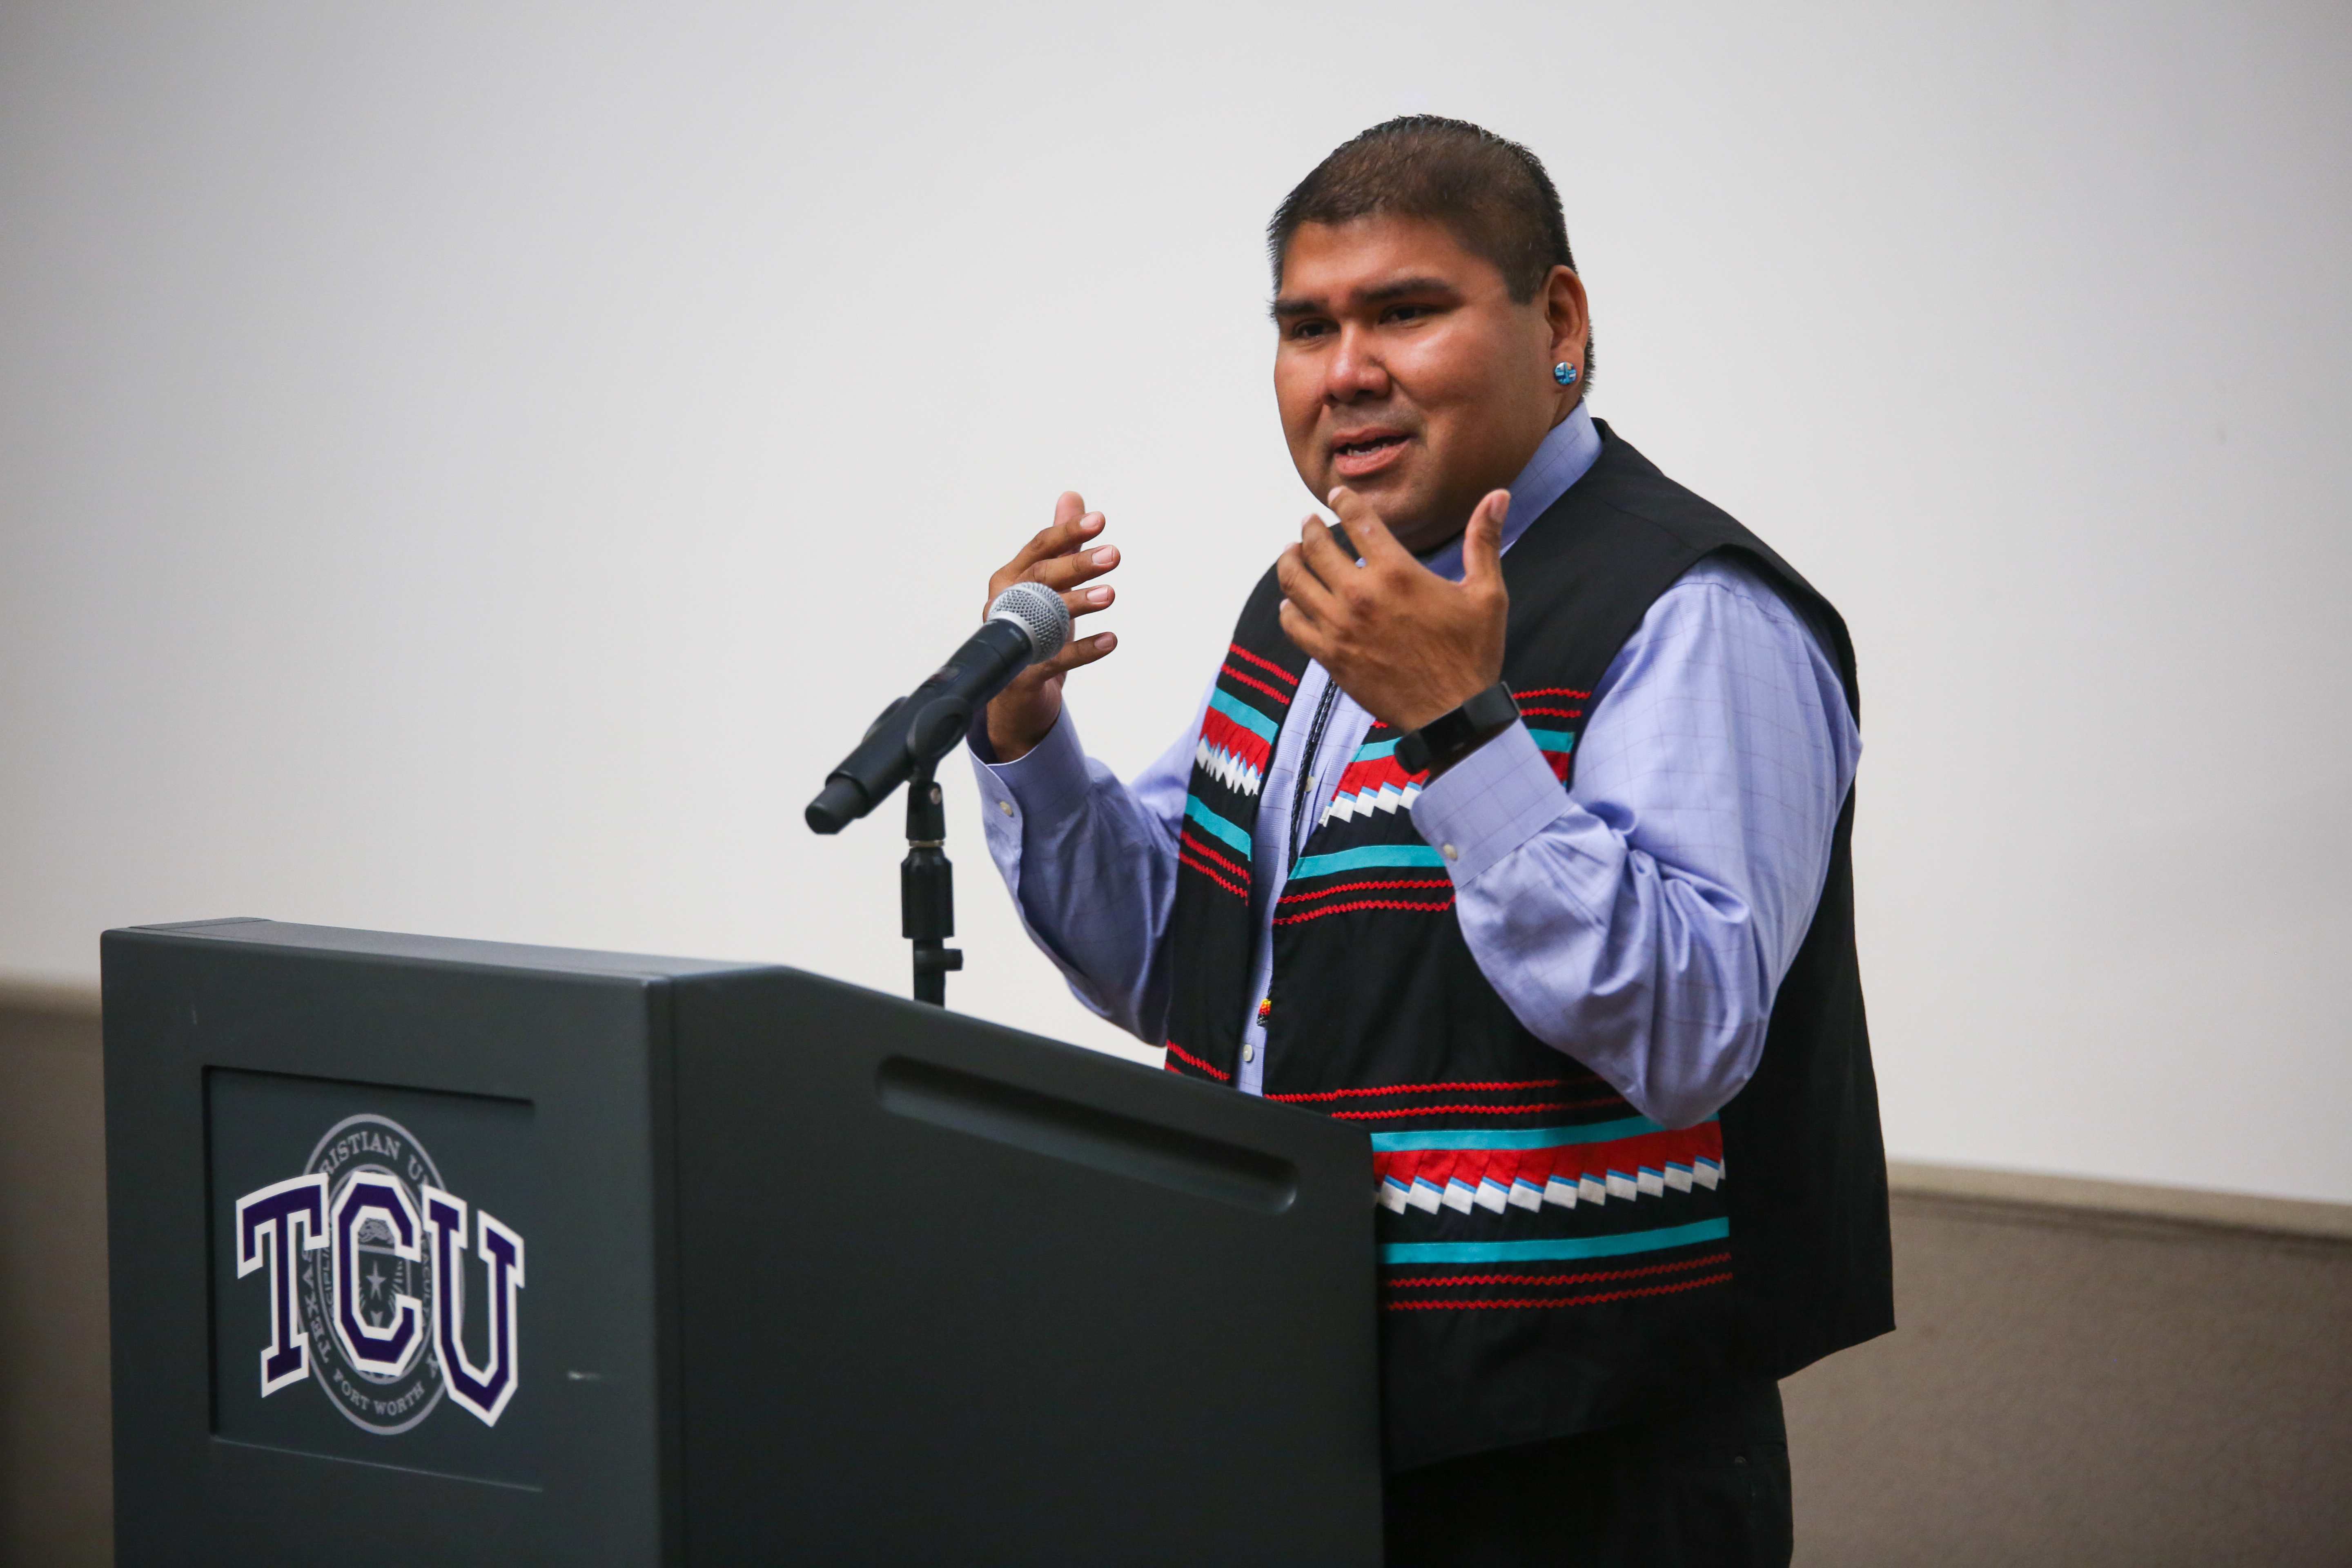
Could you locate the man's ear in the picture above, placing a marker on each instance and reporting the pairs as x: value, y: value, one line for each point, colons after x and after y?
x: 1564, y: 312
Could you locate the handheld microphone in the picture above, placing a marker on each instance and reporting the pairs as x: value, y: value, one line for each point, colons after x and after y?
x: 1027, y: 622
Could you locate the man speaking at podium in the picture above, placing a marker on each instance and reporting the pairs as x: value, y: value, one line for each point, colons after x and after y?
x: 1515, y: 827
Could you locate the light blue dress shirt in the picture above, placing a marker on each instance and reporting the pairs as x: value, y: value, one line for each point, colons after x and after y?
x: 1640, y: 920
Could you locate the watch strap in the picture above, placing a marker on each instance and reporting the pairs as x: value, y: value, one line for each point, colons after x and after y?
x: 1448, y: 737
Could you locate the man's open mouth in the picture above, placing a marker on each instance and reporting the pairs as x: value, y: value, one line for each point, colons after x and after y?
x: 1370, y: 444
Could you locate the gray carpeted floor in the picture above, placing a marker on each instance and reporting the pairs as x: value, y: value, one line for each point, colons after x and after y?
x: 2071, y: 1384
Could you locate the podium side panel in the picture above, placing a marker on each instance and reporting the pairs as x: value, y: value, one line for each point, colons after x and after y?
x: 952, y: 1293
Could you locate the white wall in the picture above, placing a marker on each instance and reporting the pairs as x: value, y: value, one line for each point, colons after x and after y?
x: 470, y: 469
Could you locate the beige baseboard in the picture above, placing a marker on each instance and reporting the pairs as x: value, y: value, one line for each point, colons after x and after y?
x: 51, y: 997
x: 2122, y: 1200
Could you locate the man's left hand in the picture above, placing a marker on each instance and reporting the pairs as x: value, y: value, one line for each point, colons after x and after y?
x: 1406, y: 644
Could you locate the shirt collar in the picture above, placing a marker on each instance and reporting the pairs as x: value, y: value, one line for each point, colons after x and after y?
x: 1569, y: 451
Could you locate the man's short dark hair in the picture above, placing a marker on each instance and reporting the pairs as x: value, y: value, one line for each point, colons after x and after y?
x: 1490, y: 192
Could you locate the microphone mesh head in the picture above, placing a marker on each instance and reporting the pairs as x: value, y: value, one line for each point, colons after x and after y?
x: 1038, y: 611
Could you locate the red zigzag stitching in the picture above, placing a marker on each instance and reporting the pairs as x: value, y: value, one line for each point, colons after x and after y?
x: 1359, y: 887
x: 1477, y: 1110
x: 1463, y: 1281
x: 1180, y: 1053
x: 1364, y: 904
x: 1724, y: 1278
x: 1254, y: 680
x: 1210, y: 872
x: 1265, y: 664
x: 1186, y: 841
x: 1438, y: 1087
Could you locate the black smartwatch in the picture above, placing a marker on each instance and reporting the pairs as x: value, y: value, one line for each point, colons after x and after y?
x: 1450, y: 737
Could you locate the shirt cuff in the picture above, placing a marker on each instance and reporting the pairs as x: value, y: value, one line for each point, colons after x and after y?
x: 1049, y: 781
x: 1489, y: 804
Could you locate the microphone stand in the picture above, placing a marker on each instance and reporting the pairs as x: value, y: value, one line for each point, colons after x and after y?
x: 927, y: 885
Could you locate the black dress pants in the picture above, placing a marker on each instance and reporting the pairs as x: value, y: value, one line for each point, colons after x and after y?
x: 1703, y: 1486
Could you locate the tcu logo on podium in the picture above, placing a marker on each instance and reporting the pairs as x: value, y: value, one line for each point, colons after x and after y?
x: 365, y: 1255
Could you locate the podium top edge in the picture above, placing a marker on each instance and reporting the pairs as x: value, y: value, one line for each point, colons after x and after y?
x: 403, y: 946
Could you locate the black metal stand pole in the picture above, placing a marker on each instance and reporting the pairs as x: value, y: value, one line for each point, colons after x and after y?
x: 927, y: 889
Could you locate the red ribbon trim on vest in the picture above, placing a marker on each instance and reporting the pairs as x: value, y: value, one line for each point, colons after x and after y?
x: 1362, y: 888
x: 1723, y: 1279
x: 1281, y: 697
x: 1186, y: 841
x: 1177, y: 1053
x: 1265, y: 664
x: 1476, y: 1110
x: 1210, y: 872
x: 1463, y: 1281
x: 1437, y: 1088
x: 1438, y: 908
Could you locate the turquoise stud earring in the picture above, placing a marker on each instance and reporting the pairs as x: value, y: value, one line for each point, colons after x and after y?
x: 1564, y: 373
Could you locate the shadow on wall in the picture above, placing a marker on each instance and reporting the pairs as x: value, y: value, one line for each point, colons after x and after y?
x: 2086, y: 1375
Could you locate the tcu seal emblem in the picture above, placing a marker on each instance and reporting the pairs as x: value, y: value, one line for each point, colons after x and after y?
x: 366, y: 1260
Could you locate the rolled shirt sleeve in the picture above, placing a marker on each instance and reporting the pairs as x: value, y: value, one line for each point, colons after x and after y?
x: 1642, y: 919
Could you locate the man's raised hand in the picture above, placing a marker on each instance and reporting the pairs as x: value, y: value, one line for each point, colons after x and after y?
x: 1064, y: 557
x: 1403, y: 642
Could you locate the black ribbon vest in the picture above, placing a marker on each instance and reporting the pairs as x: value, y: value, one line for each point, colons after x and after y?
x: 1551, y: 1261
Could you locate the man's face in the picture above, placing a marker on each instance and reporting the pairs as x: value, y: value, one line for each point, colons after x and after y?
x: 1404, y: 369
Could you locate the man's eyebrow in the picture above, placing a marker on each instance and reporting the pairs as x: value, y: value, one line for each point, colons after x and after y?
x: 1405, y: 287
x: 1287, y: 306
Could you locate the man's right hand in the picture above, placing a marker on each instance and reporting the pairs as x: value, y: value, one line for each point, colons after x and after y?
x: 1064, y: 557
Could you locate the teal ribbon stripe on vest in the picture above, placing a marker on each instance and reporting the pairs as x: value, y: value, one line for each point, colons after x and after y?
x: 1567, y: 1246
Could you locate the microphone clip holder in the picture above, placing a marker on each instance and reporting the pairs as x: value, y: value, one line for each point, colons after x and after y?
x: 927, y: 889
x: 926, y: 878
